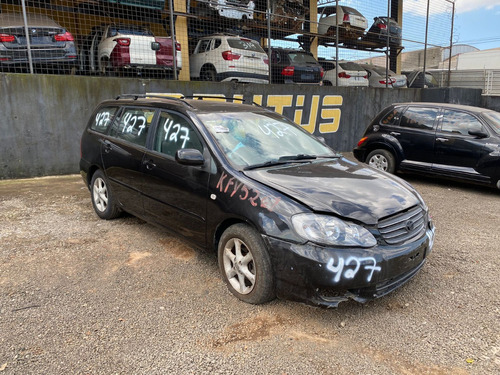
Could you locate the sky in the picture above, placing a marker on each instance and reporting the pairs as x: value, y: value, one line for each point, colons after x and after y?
x: 476, y: 21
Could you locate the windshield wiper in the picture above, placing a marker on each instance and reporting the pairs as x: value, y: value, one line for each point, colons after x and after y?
x: 282, y: 160
x: 296, y: 157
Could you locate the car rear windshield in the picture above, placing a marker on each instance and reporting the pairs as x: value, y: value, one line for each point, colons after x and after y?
x: 301, y: 57
x: 494, y: 120
x: 349, y: 10
x: 246, y: 44
x: 130, y: 30
x: 351, y: 66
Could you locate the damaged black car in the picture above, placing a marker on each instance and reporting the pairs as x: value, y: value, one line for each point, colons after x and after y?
x: 287, y: 216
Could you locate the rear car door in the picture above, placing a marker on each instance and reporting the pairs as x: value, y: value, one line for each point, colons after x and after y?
x: 456, y: 151
x: 122, y: 153
x: 416, y: 134
x: 175, y: 195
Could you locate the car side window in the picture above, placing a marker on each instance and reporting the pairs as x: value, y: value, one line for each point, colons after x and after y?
x: 217, y: 43
x: 133, y: 125
x: 174, y: 133
x: 204, y: 45
x: 392, y: 117
x: 460, y: 123
x: 419, y: 118
x: 103, y: 119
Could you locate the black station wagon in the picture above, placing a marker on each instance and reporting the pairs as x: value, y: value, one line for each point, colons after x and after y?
x: 447, y: 140
x: 288, y: 216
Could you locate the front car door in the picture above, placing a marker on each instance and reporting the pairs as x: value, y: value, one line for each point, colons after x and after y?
x: 175, y: 195
x: 416, y: 133
x: 458, y: 153
x: 122, y: 154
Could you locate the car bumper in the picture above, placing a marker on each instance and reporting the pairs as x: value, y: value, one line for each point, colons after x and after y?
x: 359, y: 154
x: 242, y: 77
x: 322, y: 276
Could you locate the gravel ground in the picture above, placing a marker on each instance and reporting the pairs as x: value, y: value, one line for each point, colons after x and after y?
x: 79, y: 295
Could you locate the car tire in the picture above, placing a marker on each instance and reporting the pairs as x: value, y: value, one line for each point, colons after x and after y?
x: 103, y: 200
x: 382, y: 160
x: 245, y: 265
x: 208, y: 74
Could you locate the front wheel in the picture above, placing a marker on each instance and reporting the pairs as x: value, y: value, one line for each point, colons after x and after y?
x: 245, y: 265
x: 382, y: 160
x: 102, y: 197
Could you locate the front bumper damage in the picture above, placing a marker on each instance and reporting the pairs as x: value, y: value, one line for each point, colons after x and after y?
x: 324, y: 276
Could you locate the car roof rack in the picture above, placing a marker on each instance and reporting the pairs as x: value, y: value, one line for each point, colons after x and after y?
x: 181, y: 99
x: 143, y: 96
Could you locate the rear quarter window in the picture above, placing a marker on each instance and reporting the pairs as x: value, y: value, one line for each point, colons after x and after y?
x: 392, y: 117
x: 103, y: 119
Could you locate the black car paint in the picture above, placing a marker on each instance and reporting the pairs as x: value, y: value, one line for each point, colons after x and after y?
x: 434, y: 152
x: 304, y: 72
x: 199, y: 202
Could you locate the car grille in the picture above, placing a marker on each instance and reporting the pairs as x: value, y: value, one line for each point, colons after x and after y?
x: 404, y: 226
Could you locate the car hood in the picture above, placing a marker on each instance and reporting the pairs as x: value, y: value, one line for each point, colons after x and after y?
x: 340, y: 186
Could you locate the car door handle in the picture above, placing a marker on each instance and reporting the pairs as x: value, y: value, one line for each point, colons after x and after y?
x: 149, y: 164
x: 395, y: 134
x: 442, y: 139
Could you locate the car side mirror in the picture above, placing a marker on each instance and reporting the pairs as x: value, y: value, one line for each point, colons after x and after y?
x: 189, y: 156
x: 478, y: 134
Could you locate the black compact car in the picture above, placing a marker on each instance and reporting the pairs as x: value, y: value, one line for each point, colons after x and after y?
x: 287, y: 216
x: 289, y: 65
x: 447, y: 140
x: 51, y: 46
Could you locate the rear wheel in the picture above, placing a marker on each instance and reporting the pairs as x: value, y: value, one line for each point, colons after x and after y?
x: 245, y: 265
x: 102, y: 198
x: 106, y: 69
x: 382, y: 159
x: 208, y: 74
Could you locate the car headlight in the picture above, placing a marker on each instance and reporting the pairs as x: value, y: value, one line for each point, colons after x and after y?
x: 329, y: 230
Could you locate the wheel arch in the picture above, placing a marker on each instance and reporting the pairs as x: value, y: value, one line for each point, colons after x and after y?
x: 221, y: 228
x: 384, y: 146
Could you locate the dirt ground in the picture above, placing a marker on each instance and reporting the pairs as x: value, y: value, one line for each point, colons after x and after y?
x: 79, y: 295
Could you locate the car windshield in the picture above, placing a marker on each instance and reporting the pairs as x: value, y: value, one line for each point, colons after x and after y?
x: 250, y: 140
x: 494, y: 120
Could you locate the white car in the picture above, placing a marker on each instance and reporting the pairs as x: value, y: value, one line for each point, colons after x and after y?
x: 114, y: 48
x: 377, y: 76
x: 352, y: 24
x: 223, y: 57
x: 349, y: 73
x: 235, y: 9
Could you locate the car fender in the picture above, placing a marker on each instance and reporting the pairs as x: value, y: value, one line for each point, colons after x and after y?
x: 389, y: 143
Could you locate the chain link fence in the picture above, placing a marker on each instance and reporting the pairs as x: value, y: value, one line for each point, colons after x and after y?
x: 258, y: 41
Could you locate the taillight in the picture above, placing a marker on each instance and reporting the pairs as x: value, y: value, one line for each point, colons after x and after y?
x: 7, y: 38
x: 228, y: 55
x: 393, y: 80
x: 322, y: 72
x: 66, y: 37
x: 381, y: 26
x: 288, y: 71
x: 344, y: 75
x: 362, y: 140
x: 346, y: 18
x: 125, y: 42
x: 266, y: 61
x: 177, y: 46
x: 365, y: 77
